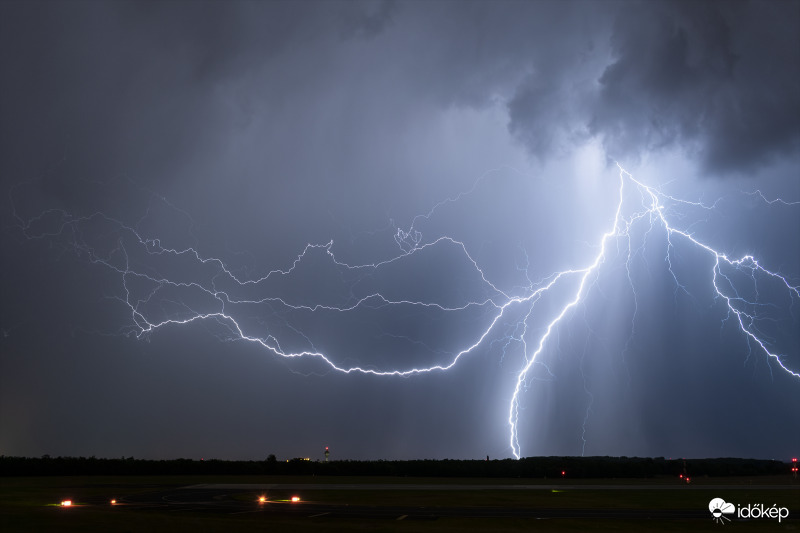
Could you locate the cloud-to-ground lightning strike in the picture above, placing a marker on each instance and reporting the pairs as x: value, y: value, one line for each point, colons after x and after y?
x: 638, y: 206
x: 653, y: 211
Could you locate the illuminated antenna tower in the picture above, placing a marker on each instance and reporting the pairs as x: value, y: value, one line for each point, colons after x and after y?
x: 327, y: 454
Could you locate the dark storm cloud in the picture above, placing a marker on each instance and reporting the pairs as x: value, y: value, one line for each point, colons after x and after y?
x: 101, y: 87
x: 720, y: 76
x: 114, y: 86
x: 718, y: 80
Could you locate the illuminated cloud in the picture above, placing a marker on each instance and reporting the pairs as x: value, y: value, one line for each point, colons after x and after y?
x: 246, y: 130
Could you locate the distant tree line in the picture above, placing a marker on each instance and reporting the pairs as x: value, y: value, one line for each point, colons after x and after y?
x: 529, y: 467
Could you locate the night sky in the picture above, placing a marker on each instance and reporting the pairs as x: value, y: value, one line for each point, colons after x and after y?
x: 222, y: 221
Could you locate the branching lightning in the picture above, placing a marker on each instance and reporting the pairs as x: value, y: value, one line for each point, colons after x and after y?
x: 212, y: 291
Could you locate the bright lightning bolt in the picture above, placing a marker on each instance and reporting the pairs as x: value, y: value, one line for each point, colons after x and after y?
x: 653, y: 211
x: 148, y: 292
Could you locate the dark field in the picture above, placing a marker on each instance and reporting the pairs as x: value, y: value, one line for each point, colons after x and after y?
x: 230, y: 503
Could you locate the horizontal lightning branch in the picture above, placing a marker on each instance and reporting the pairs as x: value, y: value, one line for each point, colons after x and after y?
x: 216, y: 284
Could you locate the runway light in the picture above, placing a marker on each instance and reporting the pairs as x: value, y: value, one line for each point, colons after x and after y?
x: 66, y: 503
x: 113, y: 502
x: 262, y: 499
x: 295, y: 498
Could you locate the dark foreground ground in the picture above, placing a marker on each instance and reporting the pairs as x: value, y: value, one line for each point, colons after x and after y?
x: 231, y: 503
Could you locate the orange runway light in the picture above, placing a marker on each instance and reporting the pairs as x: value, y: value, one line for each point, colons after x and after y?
x: 295, y: 498
x: 262, y: 499
x: 66, y: 503
x: 113, y: 502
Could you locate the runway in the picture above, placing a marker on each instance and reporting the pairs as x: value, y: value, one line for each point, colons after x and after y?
x: 227, y: 499
x: 222, y: 501
x: 458, y: 487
